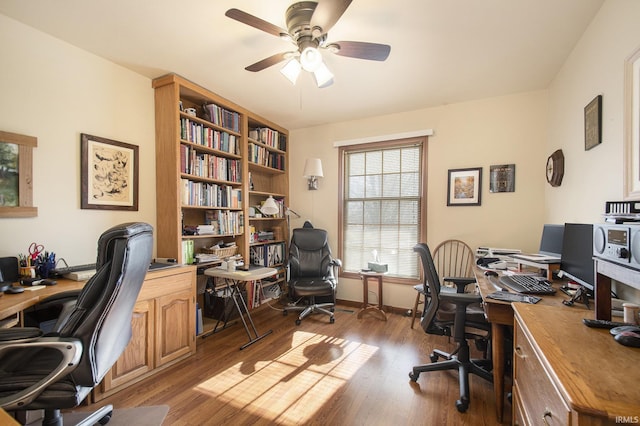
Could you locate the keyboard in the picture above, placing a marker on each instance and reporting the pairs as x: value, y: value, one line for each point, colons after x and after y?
x: 75, y: 268
x: 526, y: 284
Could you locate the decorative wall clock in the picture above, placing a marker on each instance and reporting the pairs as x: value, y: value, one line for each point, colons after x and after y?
x: 555, y: 168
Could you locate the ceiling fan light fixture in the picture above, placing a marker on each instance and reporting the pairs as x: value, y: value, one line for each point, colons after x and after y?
x: 291, y: 70
x: 310, y: 59
x: 324, y: 77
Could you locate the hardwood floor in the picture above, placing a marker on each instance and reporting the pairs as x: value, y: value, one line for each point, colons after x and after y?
x: 353, y: 372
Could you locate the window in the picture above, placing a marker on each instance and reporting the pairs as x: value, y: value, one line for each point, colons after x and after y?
x: 382, y: 205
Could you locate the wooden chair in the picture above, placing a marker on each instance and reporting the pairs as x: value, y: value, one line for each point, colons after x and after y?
x: 452, y: 258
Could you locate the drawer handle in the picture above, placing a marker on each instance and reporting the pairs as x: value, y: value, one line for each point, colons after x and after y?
x: 547, y: 413
x: 518, y: 351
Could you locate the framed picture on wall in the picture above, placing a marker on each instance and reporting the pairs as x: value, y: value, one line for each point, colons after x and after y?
x: 593, y: 123
x: 464, y: 187
x: 109, y: 174
x: 502, y: 178
x: 16, y: 175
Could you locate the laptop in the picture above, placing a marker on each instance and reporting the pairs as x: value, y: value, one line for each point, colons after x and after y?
x: 550, y: 246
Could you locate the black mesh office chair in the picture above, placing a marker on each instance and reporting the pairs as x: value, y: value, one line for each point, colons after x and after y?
x: 313, y: 273
x: 459, y: 314
x: 57, y: 370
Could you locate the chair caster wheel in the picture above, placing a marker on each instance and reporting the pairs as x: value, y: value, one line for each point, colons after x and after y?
x: 298, y: 322
x: 106, y: 418
x: 462, y: 405
x: 332, y: 320
x: 413, y: 377
x: 285, y: 313
x: 433, y: 357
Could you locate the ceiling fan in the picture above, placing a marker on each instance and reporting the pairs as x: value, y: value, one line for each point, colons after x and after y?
x: 308, y: 24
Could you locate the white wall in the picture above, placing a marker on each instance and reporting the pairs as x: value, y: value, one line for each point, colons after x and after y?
x: 55, y: 92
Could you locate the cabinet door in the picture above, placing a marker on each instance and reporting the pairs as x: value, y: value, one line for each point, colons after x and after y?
x: 175, y: 326
x: 137, y: 358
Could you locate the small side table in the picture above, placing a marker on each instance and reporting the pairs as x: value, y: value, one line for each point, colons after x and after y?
x: 366, y: 307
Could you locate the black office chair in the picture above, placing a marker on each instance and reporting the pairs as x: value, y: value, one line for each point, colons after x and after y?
x: 459, y: 314
x: 313, y: 272
x: 57, y: 370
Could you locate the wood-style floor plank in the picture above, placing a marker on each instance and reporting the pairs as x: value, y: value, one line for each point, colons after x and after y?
x: 352, y: 372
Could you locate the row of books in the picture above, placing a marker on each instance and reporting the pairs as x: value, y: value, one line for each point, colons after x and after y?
x: 259, y: 292
x: 209, y: 166
x: 202, y: 135
x: 260, y: 155
x: 269, y: 137
x: 229, y: 222
x: 203, y: 194
x: 223, y: 117
x: 267, y: 255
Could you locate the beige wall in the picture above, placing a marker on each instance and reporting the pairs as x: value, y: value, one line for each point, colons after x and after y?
x: 504, y: 130
x: 55, y: 91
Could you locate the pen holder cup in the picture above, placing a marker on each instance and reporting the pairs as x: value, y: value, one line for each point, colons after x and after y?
x: 27, y: 271
x: 44, y: 269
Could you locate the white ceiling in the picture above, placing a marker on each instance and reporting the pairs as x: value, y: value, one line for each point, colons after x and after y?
x: 442, y: 51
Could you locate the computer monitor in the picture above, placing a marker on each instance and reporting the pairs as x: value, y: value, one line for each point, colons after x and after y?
x: 551, y: 241
x: 577, y: 254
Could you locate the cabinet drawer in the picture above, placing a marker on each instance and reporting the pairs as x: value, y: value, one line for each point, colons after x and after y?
x: 537, y: 395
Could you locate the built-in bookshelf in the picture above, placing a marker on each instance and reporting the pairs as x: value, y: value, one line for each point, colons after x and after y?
x: 216, y: 164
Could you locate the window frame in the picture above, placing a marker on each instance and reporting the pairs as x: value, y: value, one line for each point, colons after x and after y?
x: 372, y: 146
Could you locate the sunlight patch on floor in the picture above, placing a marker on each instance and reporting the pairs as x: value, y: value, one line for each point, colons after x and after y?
x: 271, y: 388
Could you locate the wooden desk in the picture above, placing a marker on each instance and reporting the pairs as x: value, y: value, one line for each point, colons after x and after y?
x: 568, y: 373
x: 12, y: 304
x: 500, y: 315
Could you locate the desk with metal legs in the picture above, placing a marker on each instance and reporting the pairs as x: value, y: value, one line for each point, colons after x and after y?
x: 232, y: 281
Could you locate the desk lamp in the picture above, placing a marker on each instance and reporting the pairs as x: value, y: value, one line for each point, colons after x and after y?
x: 270, y: 206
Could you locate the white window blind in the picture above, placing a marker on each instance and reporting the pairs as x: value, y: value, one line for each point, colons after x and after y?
x: 382, y: 199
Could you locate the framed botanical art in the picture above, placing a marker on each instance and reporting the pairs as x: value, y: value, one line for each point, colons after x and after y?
x: 109, y: 174
x: 464, y: 187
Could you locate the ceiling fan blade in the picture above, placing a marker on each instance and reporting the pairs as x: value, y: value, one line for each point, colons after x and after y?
x: 256, y: 22
x: 361, y: 50
x: 327, y: 13
x: 267, y: 62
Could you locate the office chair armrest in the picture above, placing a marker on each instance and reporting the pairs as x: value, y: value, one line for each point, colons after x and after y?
x: 461, y: 298
x: 19, y: 334
x: 69, y: 348
x: 336, y: 263
x: 460, y: 282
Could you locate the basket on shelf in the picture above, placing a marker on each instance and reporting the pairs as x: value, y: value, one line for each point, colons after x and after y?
x: 222, y: 253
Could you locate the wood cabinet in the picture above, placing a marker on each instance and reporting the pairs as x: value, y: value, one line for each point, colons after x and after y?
x: 566, y: 373
x: 163, y: 328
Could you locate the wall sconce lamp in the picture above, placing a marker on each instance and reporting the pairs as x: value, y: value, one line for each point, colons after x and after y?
x: 312, y: 171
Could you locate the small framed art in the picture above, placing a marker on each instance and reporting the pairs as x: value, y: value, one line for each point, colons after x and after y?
x: 109, y: 174
x: 502, y: 178
x: 464, y: 187
x: 593, y: 123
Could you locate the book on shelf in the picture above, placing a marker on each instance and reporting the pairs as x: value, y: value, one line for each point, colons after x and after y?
x: 187, y: 252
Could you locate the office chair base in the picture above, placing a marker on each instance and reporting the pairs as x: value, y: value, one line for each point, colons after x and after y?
x: 311, y: 309
x: 101, y: 416
x: 474, y: 366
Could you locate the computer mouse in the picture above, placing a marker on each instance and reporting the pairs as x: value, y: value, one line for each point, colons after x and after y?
x: 14, y: 289
x: 624, y: 328
x: 49, y: 281
x: 628, y: 338
x: 490, y: 273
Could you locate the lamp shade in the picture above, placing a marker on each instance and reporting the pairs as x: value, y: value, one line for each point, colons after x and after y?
x: 270, y: 206
x: 291, y: 70
x: 313, y: 167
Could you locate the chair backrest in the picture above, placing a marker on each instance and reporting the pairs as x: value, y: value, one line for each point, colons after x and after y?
x: 453, y: 258
x: 101, y: 318
x: 309, y: 253
x: 431, y: 287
